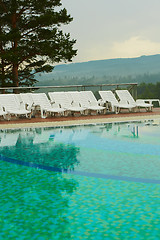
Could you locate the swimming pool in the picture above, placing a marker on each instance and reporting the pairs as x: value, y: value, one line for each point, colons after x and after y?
x: 83, y: 182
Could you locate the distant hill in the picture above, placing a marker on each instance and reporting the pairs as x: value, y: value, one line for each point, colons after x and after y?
x: 140, y: 69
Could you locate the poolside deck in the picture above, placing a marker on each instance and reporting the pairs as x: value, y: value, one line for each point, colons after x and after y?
x: 77, y: 120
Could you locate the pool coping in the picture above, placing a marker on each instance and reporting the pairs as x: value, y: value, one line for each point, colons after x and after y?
x: 78, y: 122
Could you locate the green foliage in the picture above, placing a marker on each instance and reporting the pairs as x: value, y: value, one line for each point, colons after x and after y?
x: 149, y: 90
x: 31, y: 40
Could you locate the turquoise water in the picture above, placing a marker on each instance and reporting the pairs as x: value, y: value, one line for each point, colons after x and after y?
x: 85, y: 182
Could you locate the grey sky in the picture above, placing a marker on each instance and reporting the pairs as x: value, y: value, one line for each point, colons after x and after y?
x: 114, y: 28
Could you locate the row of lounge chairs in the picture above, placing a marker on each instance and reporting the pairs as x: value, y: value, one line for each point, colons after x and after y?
x: 65, y: 103
x: 126, y: 101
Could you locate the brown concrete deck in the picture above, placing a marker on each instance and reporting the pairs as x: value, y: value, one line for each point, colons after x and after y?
x: 76, y: 120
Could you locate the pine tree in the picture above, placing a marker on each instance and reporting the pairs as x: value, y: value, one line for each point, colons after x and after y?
x: 31, y: 39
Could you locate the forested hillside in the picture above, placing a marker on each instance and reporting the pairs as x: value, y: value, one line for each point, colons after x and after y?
x: 142, y: 69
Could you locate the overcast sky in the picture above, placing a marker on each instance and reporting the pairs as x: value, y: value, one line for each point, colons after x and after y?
x: 107, y: 29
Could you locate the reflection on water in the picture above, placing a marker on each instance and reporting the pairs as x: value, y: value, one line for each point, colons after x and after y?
x: 35, y: 202
x: 41, y: 147
x: 117, y: 149
x: 38, y: 204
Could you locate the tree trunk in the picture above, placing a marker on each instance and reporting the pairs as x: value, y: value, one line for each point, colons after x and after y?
x: 15, y: 64
x: 2, y: 65
x: 3, y: 76
x: 15, y: 77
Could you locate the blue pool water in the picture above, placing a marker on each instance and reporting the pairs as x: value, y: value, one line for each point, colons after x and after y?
x: 83, y: 182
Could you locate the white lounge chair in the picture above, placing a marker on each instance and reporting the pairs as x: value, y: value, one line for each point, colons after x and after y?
x: 13, y: 106
x: 26, y: 98
x: 109, y: 97
x: 65, y: 102
x: 125, y: 96
x: 75, y: 100
x: 89, y: 101
x: 4, y: 113
x: 41, y: 100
